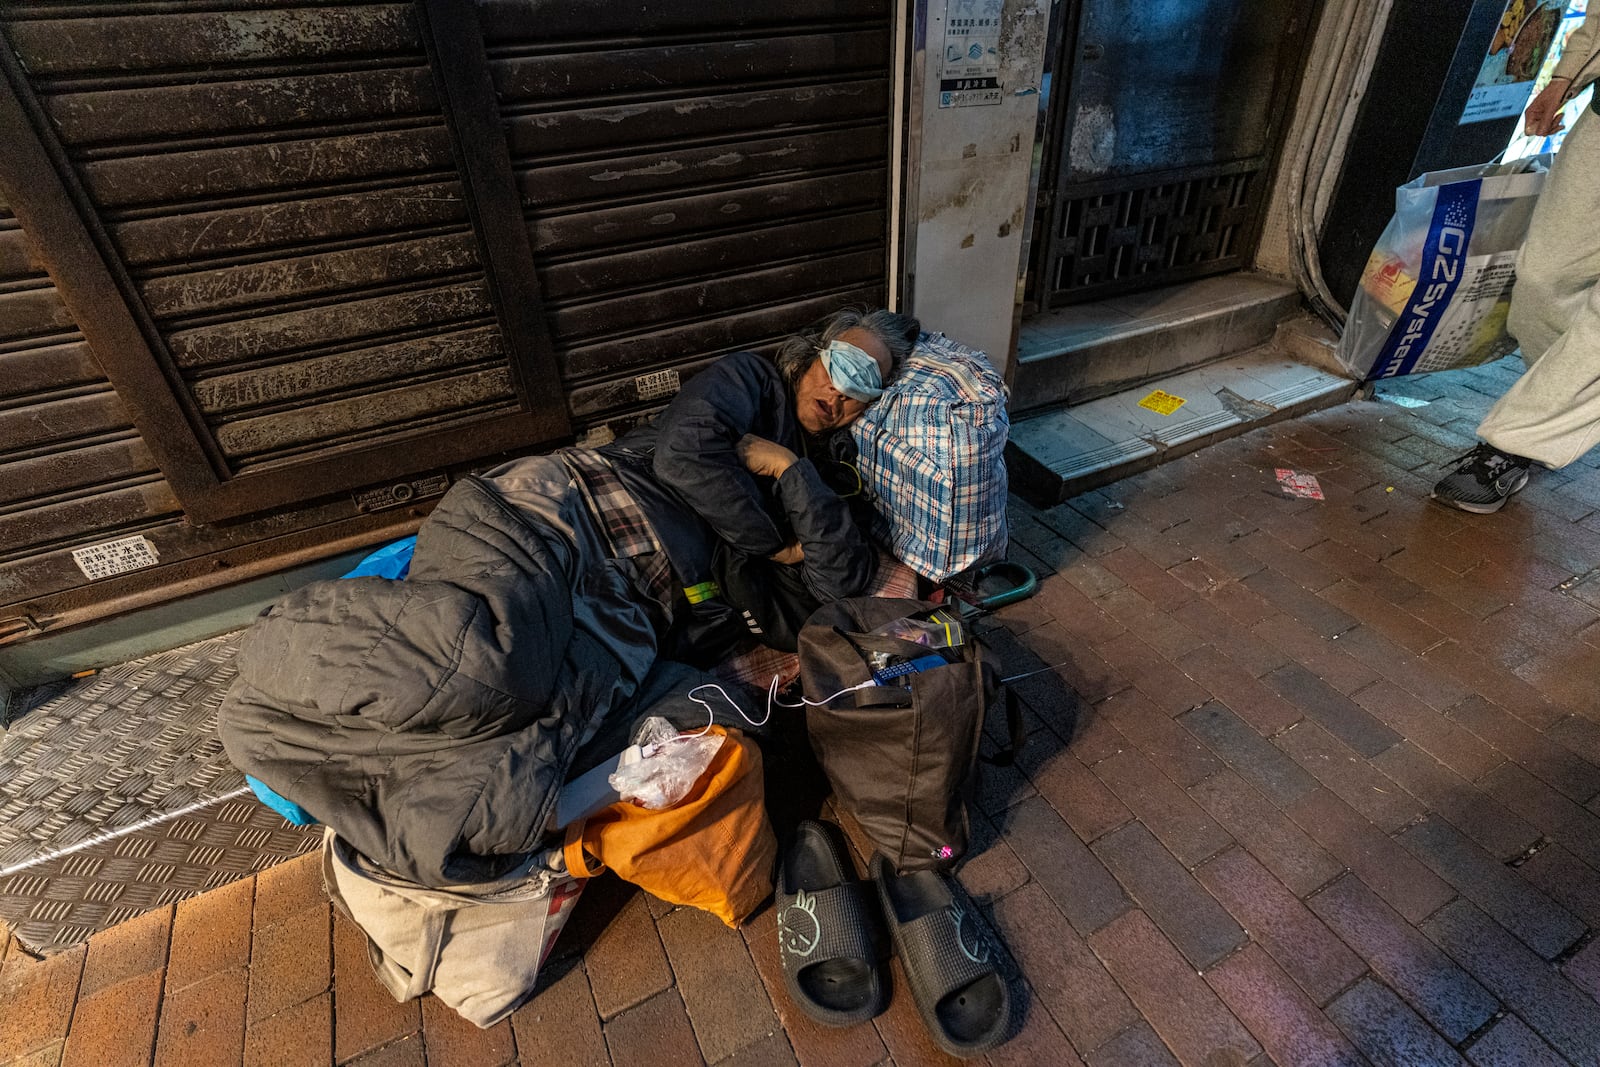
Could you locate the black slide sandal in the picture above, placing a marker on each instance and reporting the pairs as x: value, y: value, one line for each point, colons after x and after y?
x: 949, y: 959
x: 828, y: 937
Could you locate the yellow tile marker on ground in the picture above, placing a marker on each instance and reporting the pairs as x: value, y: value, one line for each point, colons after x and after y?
x: 1162, y: 402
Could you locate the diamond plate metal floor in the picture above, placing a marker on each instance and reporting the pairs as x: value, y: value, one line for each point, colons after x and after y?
x: 116, y: 797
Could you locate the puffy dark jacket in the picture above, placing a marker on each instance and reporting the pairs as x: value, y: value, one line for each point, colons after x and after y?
x: 432, y: 721
x: 684, y: 469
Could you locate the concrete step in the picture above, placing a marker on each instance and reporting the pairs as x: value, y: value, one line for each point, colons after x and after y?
x: 1092, y: 350
x: 1057, y: 454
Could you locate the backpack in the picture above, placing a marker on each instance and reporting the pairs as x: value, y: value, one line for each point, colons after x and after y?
x: 902, y: 757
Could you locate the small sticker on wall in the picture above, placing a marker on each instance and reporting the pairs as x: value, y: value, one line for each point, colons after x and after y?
x: 657, y: 384
x: 115, y: 557
x: 1300, y: 486
x: 1162, y: 402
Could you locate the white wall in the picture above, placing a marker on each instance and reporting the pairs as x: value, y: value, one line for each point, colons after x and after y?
x: 967, y: 185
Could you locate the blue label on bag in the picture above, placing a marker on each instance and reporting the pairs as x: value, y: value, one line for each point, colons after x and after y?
x: 1444, y: 259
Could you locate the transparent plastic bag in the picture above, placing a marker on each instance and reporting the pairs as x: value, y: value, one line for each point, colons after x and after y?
x: 669, y: 764
x: 940, y: 629
x: 1435, y: 291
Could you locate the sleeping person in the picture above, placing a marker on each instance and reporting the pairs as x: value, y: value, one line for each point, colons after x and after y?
x: 431, y: 721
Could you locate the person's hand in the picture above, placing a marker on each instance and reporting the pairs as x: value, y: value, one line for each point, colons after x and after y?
x: 763, y: 457
x: 789, y: 554
x: 1543, y: 116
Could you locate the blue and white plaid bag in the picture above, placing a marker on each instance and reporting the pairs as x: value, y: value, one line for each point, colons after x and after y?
x: 933, y: 451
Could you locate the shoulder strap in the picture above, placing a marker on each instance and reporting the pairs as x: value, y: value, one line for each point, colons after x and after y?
x: 1007, y: 756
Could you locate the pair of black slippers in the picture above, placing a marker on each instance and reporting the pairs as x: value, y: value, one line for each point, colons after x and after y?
x: 831, y: 941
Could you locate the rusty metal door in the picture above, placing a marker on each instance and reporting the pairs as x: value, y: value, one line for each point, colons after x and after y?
x: 268, y: 270
x: 1165, y: 123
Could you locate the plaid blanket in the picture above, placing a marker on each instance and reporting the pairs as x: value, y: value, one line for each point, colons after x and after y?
x: 623, y: 522
x: 933, y: 452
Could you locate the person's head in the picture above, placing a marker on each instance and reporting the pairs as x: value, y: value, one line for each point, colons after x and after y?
x: 837, y: 371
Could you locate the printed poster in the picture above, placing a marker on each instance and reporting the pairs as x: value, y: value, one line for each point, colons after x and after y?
x: 1516, y: 54
x: 969, y: 74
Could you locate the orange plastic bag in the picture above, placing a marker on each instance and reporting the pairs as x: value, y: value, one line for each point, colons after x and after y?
x: 713, y: 850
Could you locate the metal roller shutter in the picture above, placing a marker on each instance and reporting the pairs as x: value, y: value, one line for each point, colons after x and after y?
x: 697, y: 178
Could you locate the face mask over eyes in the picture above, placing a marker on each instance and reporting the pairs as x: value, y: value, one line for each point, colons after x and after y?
x: 852, y: 371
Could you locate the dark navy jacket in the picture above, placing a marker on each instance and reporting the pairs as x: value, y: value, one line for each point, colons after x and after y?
x: 685, y: 471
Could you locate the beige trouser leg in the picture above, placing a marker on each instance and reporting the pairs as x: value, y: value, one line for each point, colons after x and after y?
x: 1552, y: 413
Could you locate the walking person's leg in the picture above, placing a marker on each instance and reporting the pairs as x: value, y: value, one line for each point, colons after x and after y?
x: 1551, y: 415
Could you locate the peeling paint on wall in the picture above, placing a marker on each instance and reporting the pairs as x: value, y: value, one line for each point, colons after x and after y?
x: 1094, y: 139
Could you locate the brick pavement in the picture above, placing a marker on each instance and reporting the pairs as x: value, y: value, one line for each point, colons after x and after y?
x: 1309, y: 783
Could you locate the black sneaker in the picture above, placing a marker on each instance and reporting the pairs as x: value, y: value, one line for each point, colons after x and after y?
x: 1484, y: 481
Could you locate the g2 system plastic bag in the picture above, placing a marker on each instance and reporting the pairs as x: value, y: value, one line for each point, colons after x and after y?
x: 1436, y: 289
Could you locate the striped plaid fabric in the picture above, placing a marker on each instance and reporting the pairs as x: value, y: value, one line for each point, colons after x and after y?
x: 624, y: 523
x: 933, y: 452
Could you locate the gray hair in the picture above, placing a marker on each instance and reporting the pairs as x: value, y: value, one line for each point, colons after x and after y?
x: 897, y: 332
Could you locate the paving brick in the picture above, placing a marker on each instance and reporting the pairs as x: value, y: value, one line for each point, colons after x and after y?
x: 1425, y: 681
x: 1567, y: 880
x: 203, y: 1022
x: 211, y: 933
x: 1490, y: 682
x: 1188, y: 915
x: 1067, y: 979
x: 1386, y: 868
x: 1509, y: 1043
x: 1166, y: 810
x: 1353, y: 779
x: 451, y: 1041
x: 1249, y: 699
x: 1073, y: 876
x: 1317, y: 654
x: 1286, y: 850
x: 1089, y: 577
x: 1050, y: 700
x: 1152, y: 674
x: 1560, y: 1012
x: 1514, y: 902
x: 1318, y: 961
x: 1139, y: 571
x: 1560, y: 674
x: 1077, y: 795
x: 1176, y: 1002
x: 1138, y: 1044
x: 1096, y: 738
x: 127, y: 950
x: 1298, y: 565
x: 1440, y: 991
x: 1295, y: 601
x: 718, y: 983
x: 1390, y: 620
x: 1248, y: 753
x: 1169, y: 637
x: 1340, y: 715
x: 1075, y: 613
x: 38, y: 997
x: 1583, y: 969
x: 1038, y: 1041
x: 1387, y: 1031
x: 1529, y: 748
x: 1277, y: 1013
x: 814, y: 1044
x: 771, y: 1051
x: 560, y: 1024
x: 991, y: 869
x: 116, y: 1025
x: 1000, y: 786
x: 290, y: 961
x: 406, y: 1052
x: 1066, y: 522
x: 1449, y: 743
x: 301, y: 1036
x: 1231, y: 637
x: 1179, y: 754
x: 289, y: 888
x: 1078, y: 665
x: 366, y: 1015
x: 1579, y: 734
x: 1468, y: 808
x: 48, y: 1056
x: 626, y: 962
x: 902, y: 1030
